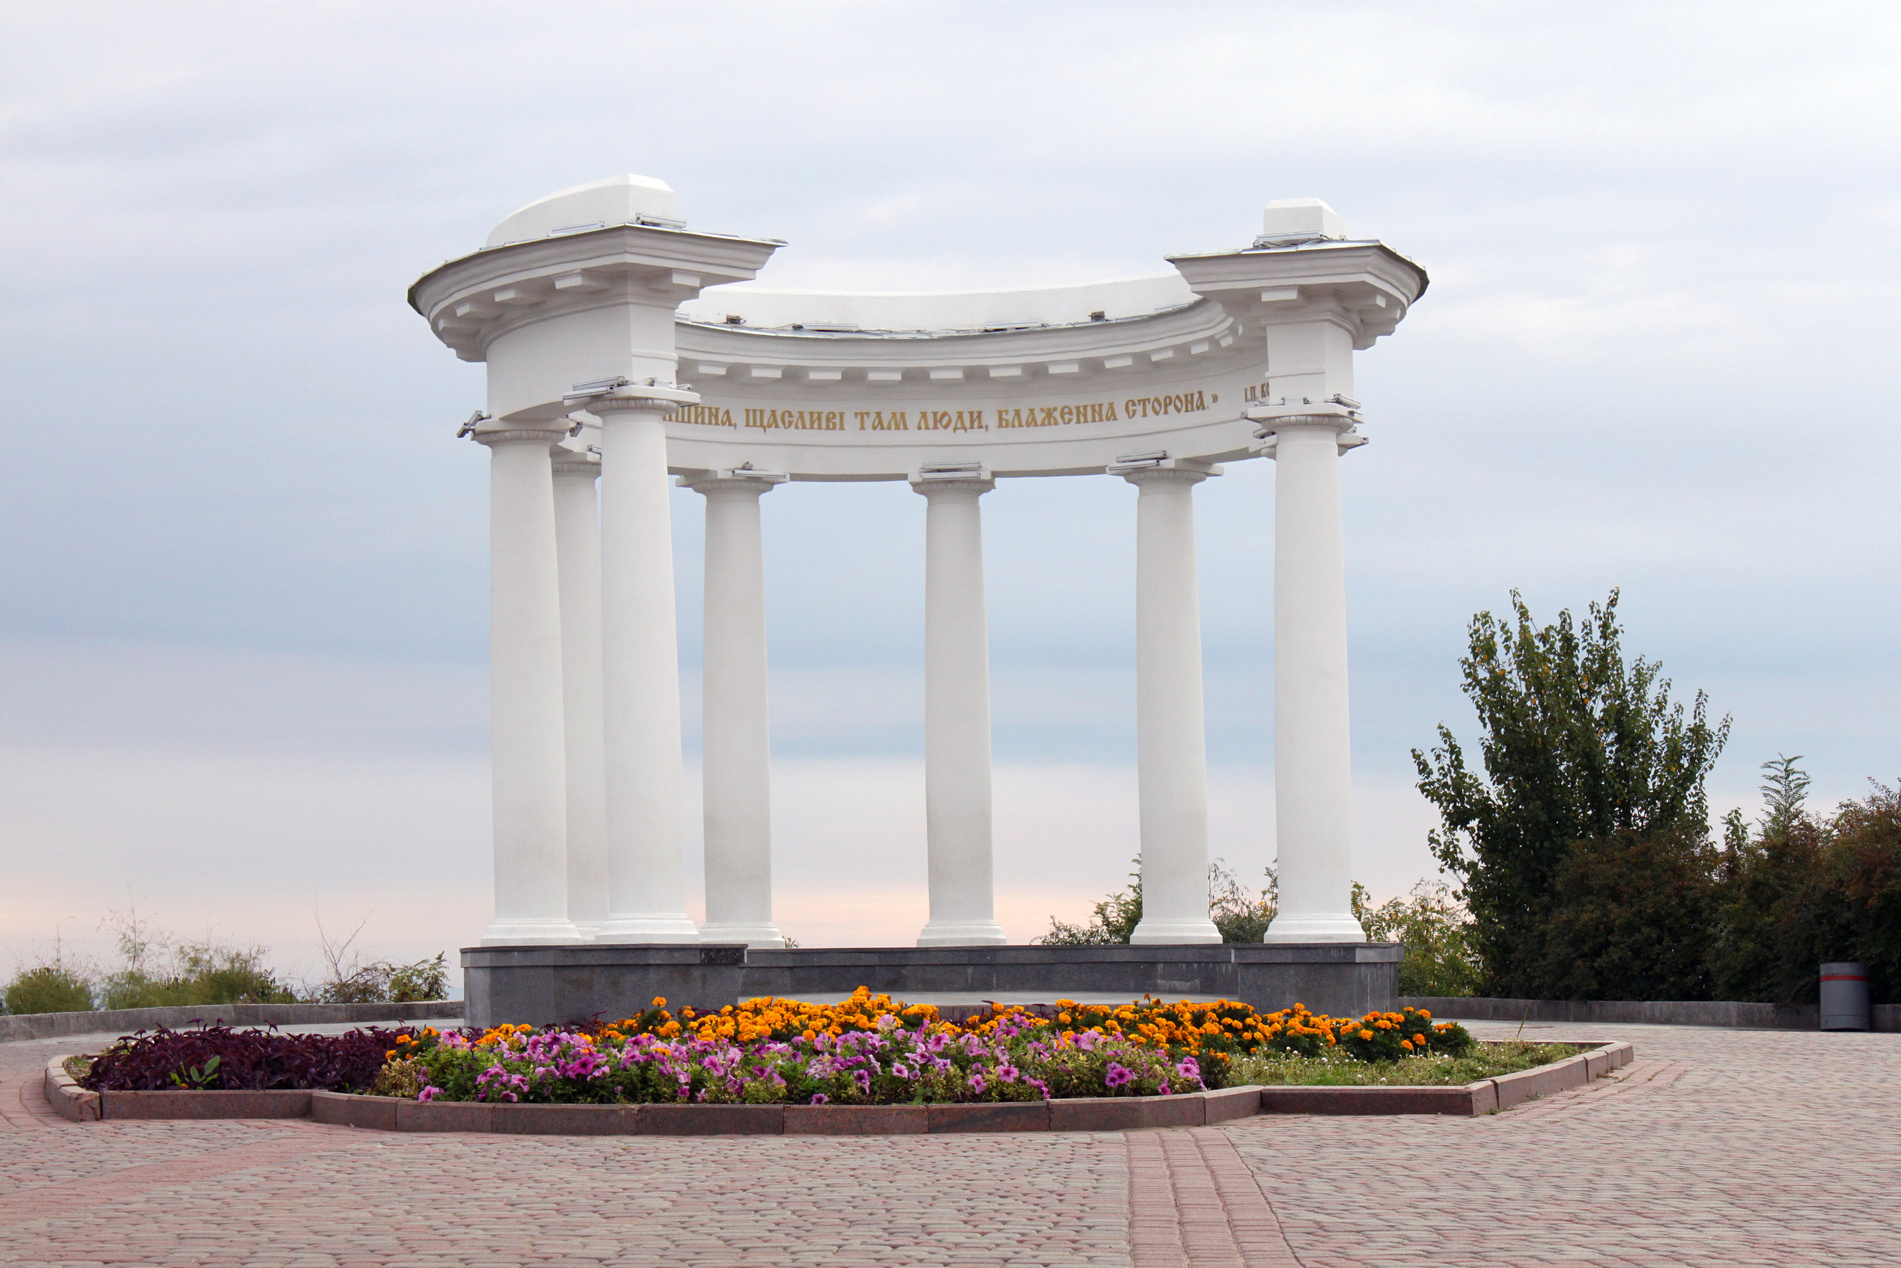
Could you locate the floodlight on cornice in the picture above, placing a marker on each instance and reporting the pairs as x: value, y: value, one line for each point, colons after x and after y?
x: 593, y: 388
x: 1138, y: 461
x: 1279, y: 242
x: 952, y: 471
x: 469, y: 424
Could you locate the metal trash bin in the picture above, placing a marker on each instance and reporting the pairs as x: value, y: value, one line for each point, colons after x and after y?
x: 1844, y: 997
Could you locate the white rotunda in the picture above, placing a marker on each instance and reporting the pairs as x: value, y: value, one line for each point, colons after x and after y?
x: 615, y: 360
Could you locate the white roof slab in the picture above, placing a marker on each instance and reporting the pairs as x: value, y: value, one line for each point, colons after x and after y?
x: 831, y: 385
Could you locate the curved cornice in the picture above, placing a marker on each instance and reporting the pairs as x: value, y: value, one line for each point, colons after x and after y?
x: 829, y: 386
x: 744, y: 361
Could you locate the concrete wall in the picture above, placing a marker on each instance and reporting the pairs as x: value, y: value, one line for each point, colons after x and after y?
x: 126, y: 1020
x: 1642, y: 1012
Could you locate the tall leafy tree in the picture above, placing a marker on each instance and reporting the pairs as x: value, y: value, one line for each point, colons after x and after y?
x: 1802, y: 890
x: 1581, y: 751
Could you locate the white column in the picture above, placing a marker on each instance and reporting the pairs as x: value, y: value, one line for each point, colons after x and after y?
x: 1171, y: 746
x: 1313, y: 766
x: 640, y: 678
x: 956, y: 717
x: 527, y: 748
x: 578, y: 544
x: 736, y: 744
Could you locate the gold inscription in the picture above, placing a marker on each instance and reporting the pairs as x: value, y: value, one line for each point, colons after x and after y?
x: 704, y: 415
x: 960, y: 420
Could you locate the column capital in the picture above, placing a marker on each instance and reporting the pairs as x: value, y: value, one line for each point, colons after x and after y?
x: 1174, y: 473
x: 932, y: 486
x: 1341, y: 416
x: 548, y: 436
x: 650, y: 397
x: 1338, y: 412
x: 569, y: 463
x: 732, y: 480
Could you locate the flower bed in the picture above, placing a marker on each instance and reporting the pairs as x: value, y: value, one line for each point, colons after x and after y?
x: 871, y: 1050
x: 224, y: 1059
x: 1484, y: 1061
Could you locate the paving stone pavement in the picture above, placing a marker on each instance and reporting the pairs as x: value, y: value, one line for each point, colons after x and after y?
x: 1718, y: 1147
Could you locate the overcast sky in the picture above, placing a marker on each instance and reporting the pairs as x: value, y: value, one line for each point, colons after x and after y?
x: 243, y: 604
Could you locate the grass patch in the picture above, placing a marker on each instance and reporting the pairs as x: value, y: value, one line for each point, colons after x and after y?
x: 1337, y: 1069
x: 76, y: 1067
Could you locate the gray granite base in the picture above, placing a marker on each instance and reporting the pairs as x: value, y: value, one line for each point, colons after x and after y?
x: 544, y: 985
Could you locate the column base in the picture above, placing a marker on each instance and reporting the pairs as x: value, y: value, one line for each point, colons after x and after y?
x: 1159, y: 931
x: 1315, y: 928
x: 648, y: 927
x: 962, y: 933
x: 530, y: 931
x: 765, y: 935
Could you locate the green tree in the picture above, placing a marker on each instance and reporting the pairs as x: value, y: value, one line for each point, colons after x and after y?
x: 1578, y: 746
x: 1632, y: 920
x: 1862, y: 882
x: 1800, y: 891
x: 1765, y: 883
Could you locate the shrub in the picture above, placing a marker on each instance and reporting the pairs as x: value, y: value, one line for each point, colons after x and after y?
x: 381, y: 982
x: 351, y: 980
x: 423, y: 980
x: 161, y: 971
x: 1237, y: 915
x: 1112, y: 921
x: 1436, y: 930
x: 49, y: 988
x: 197, y: 973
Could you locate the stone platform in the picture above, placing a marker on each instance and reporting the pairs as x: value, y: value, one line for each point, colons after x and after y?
x: 545, y: 985
x: 1716, y: 1148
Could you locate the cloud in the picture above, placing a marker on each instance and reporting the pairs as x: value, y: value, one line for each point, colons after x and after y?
x: 1655, y: 355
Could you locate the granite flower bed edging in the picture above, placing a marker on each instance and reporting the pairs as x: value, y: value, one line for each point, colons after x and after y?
x: 1483, y: 1097
x: 1107, y: 1113
x: 71, y: 1101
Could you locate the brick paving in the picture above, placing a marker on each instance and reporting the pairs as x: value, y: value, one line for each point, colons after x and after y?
x: 1717, y: 1147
